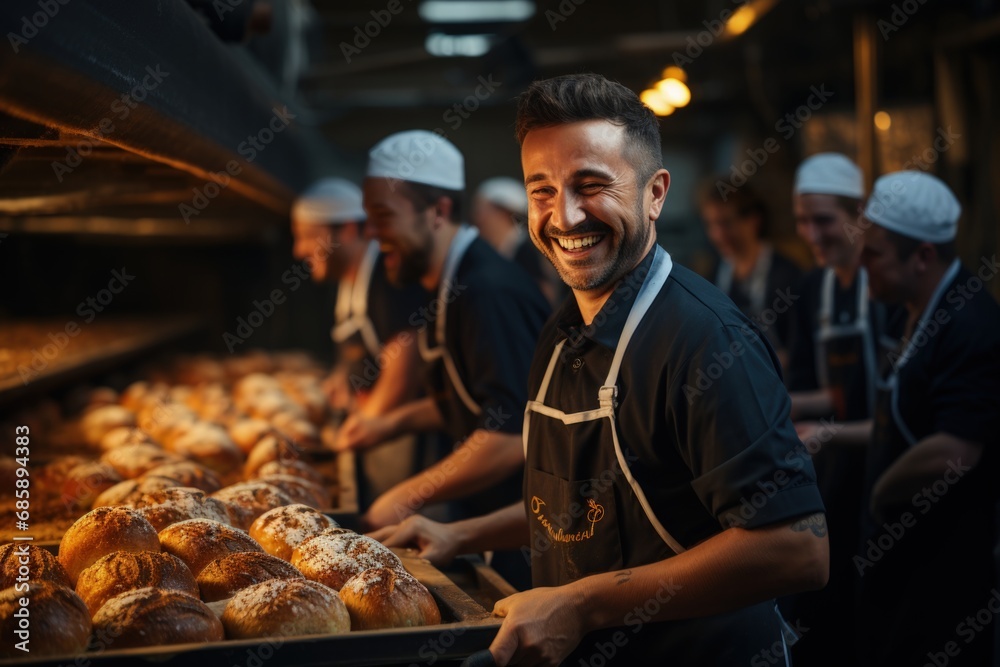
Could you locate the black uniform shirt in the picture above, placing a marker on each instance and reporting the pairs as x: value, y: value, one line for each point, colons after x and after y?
x: 783, y: 278
x: 701, y: 404
x: 494, y: 315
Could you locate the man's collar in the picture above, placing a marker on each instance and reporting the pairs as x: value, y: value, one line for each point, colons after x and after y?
x: 607, y: 326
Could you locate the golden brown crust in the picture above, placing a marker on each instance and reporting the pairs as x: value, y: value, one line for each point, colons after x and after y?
x: 40, y: 563
x: 131, y: 461
x: 125, y: 435
x: 282, y: 529
x: 198, y: 542
x: 156, y: 617
x: 169, y: 506
x: 224, y: 577
x: 299, y: 490
x: 84, y: 483
x: 123, y: 571
x: 103, y: 531
x: 336, y: 555
x: 189, y: 473
x: 248, y: 432
x: 285, y: 608
x: 127, y: 492
x: 295, y: 468
x: 59, y: 621
x: 251, y: 499
x: 388, y: 598
x: 270, y: 448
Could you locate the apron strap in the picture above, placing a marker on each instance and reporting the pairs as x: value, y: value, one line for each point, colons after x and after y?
x: 352, y: 305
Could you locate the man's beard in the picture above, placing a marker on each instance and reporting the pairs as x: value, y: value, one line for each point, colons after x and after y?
x: 414, y: 263
x: 631, y: 248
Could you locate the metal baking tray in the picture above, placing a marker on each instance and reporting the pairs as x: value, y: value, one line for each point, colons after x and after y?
x: 466, y: 627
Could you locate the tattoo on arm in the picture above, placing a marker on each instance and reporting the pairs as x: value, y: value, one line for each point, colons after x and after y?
x: 623, y: 577
x: 815, y: 523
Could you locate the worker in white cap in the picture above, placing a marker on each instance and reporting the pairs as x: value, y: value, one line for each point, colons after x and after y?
x: 478, y: 337
x: 928, y: 584
x: 375, y: 370
x: 840, y: 338
x: 499, y: 212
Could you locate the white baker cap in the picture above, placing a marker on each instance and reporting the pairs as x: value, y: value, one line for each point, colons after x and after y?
x: 505, y: 192
x: 829, y: 174
x: 916, y: 205
x: 330, y: 201
x: 418, y: 156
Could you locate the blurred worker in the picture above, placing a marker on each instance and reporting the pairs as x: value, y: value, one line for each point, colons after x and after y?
x: 840, y: 338
x: 759, y: 280
x: 375, y: 370
x: 499, y: 211
x: 928, y: 584
x: 478, y: 337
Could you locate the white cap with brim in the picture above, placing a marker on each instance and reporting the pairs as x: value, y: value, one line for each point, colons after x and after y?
x: 506, y: 193
x: 829, y: 174
x: 916, y: 205
x: 418, y: 156
x: 330, y: 201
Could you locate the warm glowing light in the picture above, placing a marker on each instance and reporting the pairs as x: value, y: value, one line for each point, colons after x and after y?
x: 656, y: 101
x: 741, y: 20
x: 883, y: 120
x: 675, y: 72
x: 675, y: 92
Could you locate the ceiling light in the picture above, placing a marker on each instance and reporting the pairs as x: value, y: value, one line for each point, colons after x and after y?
x: 470, y: 11
x: 656, y: 101
x: 675, y: 92
x: 883, y: 120
x: 470, y: 46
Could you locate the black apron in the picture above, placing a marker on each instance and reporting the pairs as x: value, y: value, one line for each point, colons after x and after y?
x: 587, y: 514
x: 914, y: 593
x: 351, y: 312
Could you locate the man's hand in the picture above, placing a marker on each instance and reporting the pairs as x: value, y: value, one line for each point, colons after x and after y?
x: 541, y: 627
x: 338, y: 390
x: 437, y: 542
x: 358, y: 432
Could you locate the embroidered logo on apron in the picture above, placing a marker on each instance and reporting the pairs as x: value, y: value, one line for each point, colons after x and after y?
x: 594, y: 516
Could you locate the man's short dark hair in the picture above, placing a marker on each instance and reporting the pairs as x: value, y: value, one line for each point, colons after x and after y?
x: 906, y: 246
x: 423, y: 196
x: 744, y: 200
x: 580, y: 97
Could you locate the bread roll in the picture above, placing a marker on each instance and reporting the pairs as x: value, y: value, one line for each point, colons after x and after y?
x: 282, y: 529
x: 224, y: 577
x: 270, y: 448
x: 248, y: 432
x: 125, y: 435
x: 294, y: 468
x: 298, y: 429
x: 58, y: 621
x: 131, y: 461
x: 388, y: 598
x: 180, y: 503
x: 103, y: 531
x: 30, y: 563
x: 249, y: 500
x: 198, y: 542
x: 84, y: 483
x: 124, y: 571
x: 336, y: 555
x: 299, y: 490
x: 156, y: 617
x: 127, y: 492
x: 285, y: 608
x: 209, y: 445
x: 96, y: 423
x: 189, y: 473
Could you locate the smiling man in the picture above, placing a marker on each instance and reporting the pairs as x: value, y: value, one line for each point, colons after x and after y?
x: 633, y: 488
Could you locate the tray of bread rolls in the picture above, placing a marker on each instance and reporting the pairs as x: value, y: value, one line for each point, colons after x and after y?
x: 248, y: 432
x: 293, y: 589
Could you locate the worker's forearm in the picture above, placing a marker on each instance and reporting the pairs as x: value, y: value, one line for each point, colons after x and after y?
x: 811, y: 404
x: 938, y: 457
x: 419, y: 416
x: 731, y: 570
x: 854, y: 434
x: 506, y: 528
x: 398, y: 382
x: 483, y: 460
